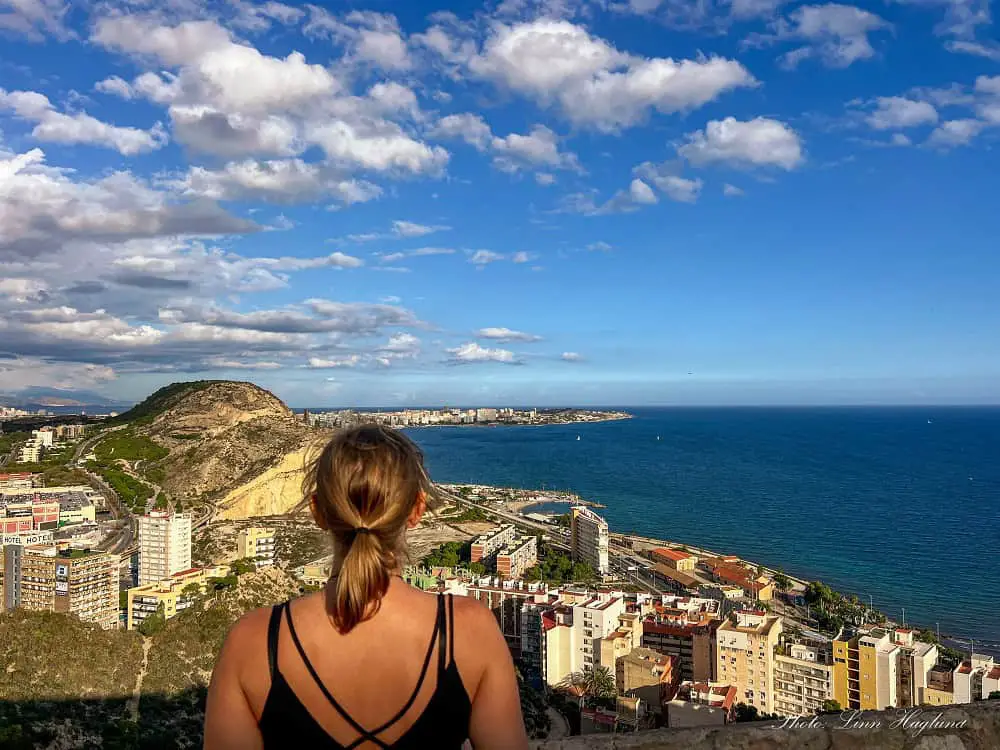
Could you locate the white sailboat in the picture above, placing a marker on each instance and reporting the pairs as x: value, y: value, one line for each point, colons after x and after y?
x: 577, y: 437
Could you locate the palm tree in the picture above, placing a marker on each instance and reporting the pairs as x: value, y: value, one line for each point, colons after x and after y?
x: 593, y: 682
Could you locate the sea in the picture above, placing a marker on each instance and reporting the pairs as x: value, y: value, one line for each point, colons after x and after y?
x: 899, y: 505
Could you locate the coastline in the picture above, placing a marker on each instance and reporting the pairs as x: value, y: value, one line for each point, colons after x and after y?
x: 520, y: 508
x: 487, y: 425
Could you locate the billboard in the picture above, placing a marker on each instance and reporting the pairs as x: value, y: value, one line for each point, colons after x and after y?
x: 62, y: 587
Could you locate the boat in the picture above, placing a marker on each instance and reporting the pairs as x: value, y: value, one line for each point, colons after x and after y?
x: 577, y: 437
x: 930, y: 421
x: 657, y: 437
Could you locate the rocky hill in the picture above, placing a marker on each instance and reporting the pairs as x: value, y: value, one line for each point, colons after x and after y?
x: 68, y: 684
x: 230, y: 443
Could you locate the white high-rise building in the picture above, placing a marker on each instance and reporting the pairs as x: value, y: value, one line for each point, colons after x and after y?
x: 566, y: 636
x: 164, y: 545
x: 590, y: 539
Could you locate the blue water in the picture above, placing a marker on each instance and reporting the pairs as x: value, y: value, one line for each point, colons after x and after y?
x: 873, y: 501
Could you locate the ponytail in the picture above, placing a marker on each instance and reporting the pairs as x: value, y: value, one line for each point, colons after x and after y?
x: 364, y: 486
x: 362, y: 580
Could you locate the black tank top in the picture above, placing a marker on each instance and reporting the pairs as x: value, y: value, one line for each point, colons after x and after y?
x: 444, y: 723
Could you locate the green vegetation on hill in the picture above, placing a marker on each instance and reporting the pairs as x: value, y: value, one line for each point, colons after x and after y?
x: 146, y: 410
x: 127, y: 446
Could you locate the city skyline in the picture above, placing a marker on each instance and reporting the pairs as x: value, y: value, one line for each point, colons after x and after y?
x: 532, y: 202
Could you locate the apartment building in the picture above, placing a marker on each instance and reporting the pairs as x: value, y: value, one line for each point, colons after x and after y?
x: 940, y: 689
x: 915, y: 661
x: 565, y: 636
x: 803, y: 678
x: 46, y: 578
x: 485, y: 546
x: 256, y: 543
x: 506, y: 599
x: 517, y: 557
x: 969, y: 676
x: 745, y: 645
x: 589, y: 535
x: 164, y: 545
x: 623, y: 640
x: 648, y: 675
x: 866, y: 670
x: 175, y: 594
x: 692, y: 644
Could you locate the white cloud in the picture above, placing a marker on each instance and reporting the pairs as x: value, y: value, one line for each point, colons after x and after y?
x: 667, y: 181
x: 835, y: 34
x: 731, y: 191
x: 42, y: 209
x: 545, y: 179
x: 279, y: 181
x: 961, y: 17
x: 753, y: 143
x: 471, y: 128
x: 34, y: 19
x: 506, y: 335
x: 318, y: 363
x: 600, y: 246
x: 24, y: 372
x: 571, y: 357
x: 640, y: 192
x: 173, y: 46
x: 115, y: 86
x: 989, y: 50
x: 386, y: 148
x: 539, y: 148
x: 988, y: 85
x: 896, y: 112
x: 521, y: 257
x: 593, y: 84
x: 745, y: 9
x: 371, y: 38
x: 956, y: 133
x: 258, y: 17
x: 473, y: 352
x: 484, y: 257
x: 57, y: 127
x: 412, y: 229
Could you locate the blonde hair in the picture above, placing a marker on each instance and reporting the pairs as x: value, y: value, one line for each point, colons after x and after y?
x: 364, y: 485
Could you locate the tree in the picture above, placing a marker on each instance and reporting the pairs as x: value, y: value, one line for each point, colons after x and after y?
x: 831, y: 706
x: 994, y: 695
x: 161, y: 502
x: 583, y: 573
x: 593, y: 682
x: 743, y: 712
x: 154, y: 623
x: 477, y: 568
x: 245, y: 565
x: 781, y: 581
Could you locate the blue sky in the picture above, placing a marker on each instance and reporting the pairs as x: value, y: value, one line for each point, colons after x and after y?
x: 518, y: 202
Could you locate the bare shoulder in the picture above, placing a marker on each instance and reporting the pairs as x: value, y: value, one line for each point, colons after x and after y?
x: 250, y: 628
x: 476, y: 624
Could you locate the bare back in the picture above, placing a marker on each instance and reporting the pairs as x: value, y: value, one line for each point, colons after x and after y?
x: 390, y: 672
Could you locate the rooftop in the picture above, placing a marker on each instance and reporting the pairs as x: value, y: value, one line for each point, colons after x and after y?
x: 672, y: 554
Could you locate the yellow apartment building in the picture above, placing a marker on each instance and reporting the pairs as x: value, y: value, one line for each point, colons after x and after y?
x: 745, y: 656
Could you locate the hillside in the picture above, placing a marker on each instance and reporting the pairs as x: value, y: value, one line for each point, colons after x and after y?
x: 70, y: 684
x: 206, y: 440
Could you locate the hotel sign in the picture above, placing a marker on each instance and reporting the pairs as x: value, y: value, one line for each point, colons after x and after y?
x: 26, y: 538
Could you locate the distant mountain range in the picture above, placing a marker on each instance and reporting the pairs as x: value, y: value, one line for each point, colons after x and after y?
x: 60, y: 401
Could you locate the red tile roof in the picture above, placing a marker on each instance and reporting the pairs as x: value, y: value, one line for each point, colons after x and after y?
x: 672, y: 554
